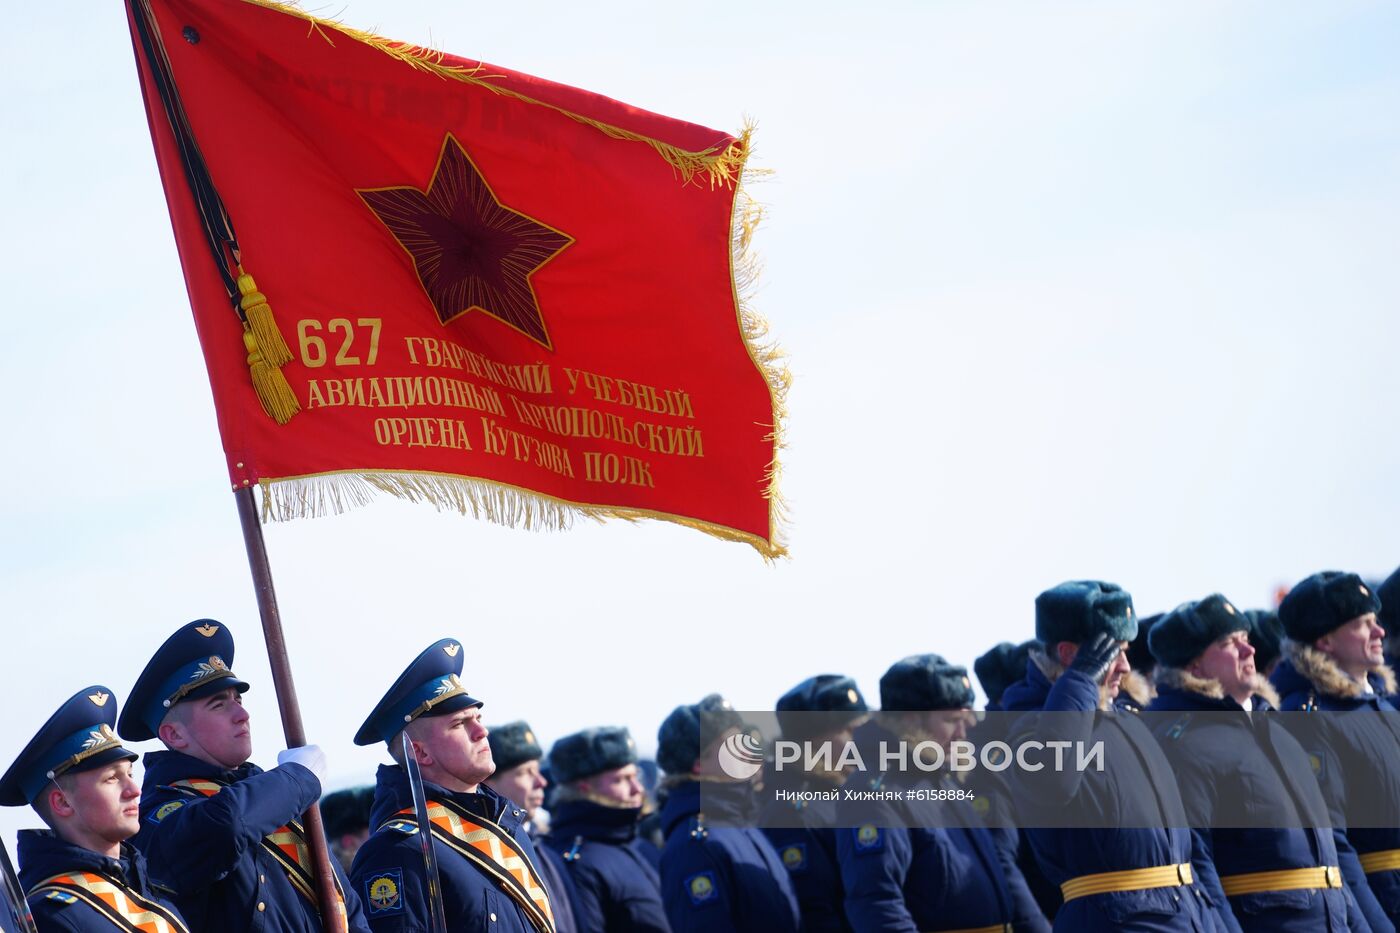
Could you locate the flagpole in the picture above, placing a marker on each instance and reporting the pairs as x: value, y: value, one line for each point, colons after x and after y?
x: 331, y: 907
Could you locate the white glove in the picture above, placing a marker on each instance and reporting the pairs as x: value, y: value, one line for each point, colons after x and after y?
x: 309, y: 757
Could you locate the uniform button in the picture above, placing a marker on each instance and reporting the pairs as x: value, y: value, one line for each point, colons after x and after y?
x: 262, y: 879
x: 262, y: 905
x: 493, y: 918
x: 515, y: 812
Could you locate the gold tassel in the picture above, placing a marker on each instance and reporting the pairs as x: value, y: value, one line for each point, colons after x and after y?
x: 259, y: 316
x: 276, y: 395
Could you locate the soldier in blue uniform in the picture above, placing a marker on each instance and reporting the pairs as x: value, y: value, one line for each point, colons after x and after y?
x: 488, y: 867
x: 821, y: 709
x: 902, y: 872
x: 224, y: 833
x: 715, y: 878
x: 1000, y: 667
x: 82, y: 874
x: 345, y: 814
x: 1138, y: 687
x: 1273, y: 854
x: 1333, y: 661
x: 516, y: 754
x: 1112, y: 879
x: 1389, y: 618
x: 593, y: 827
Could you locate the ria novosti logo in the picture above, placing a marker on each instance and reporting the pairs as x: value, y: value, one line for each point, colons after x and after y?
x: 740, y: 756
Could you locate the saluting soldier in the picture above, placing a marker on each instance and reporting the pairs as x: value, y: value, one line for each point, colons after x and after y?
x: 715, y: 878
x: 820, y: 710
x: 488, y: 867
x: 1245, y: 781
x: 593, y: 827
x: 1334, y: 662
x: 224, y: 833
x: 516, y: 754
x: 1134, y: 873
x: 82, y: 874
x: 905, y: 873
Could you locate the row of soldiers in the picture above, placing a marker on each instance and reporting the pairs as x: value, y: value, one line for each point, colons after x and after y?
x: 208, y: 841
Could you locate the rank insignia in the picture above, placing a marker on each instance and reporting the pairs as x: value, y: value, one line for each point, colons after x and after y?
x: 701, y: 888
x: 795, y: 857
x: 164, y: 810
x: 63, y: 897
x: 868, y: 839
x: 382, y: 893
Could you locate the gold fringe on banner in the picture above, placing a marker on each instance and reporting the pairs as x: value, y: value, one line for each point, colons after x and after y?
x: 718, y: 167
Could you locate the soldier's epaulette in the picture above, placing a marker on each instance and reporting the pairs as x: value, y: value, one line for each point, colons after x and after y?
x: 1175, y: 730
x: 697, y: 827
x: 1311, y: 705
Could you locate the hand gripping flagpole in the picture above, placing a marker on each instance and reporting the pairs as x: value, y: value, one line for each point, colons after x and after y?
x: 333, y: 917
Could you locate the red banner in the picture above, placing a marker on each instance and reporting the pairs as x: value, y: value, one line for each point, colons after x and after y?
x: 422, y: 275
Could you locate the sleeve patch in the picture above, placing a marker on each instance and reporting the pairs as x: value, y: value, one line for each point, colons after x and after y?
x: 868, y: 839
x: 701, y: 888
x: 164, y: 810
x: 795, y: 857
x: 63, y: 897
x: 384, y: 893
x: 402, y: 826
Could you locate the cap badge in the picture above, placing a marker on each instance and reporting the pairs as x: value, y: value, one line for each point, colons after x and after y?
x: 1364, y: 591
x: 448, y: 685
x: 529, y: 737
x: 207, y: 630
x: 213, y: 665
x: 852, y: 695
x: 967, y: 683
x: 1230, y: 609
x: 452, y: 649
x: 99, y: 698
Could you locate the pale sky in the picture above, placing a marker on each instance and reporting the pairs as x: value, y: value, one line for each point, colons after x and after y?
x: 1076, y: 290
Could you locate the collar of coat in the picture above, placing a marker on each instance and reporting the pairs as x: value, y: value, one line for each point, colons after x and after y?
x: 1318, y: 668
x: 1178, y: 678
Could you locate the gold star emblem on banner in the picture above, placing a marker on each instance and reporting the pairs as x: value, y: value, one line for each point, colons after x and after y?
x: 471, y: 252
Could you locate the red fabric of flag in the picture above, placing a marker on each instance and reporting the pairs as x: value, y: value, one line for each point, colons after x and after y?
x: 498, y: 293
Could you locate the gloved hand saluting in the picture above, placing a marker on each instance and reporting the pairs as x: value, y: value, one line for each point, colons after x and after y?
x: 1096, y: 656
x: 309, y: 757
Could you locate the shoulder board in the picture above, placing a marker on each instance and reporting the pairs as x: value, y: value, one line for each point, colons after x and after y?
x: 698, y: 829
x: 1311, y: 705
